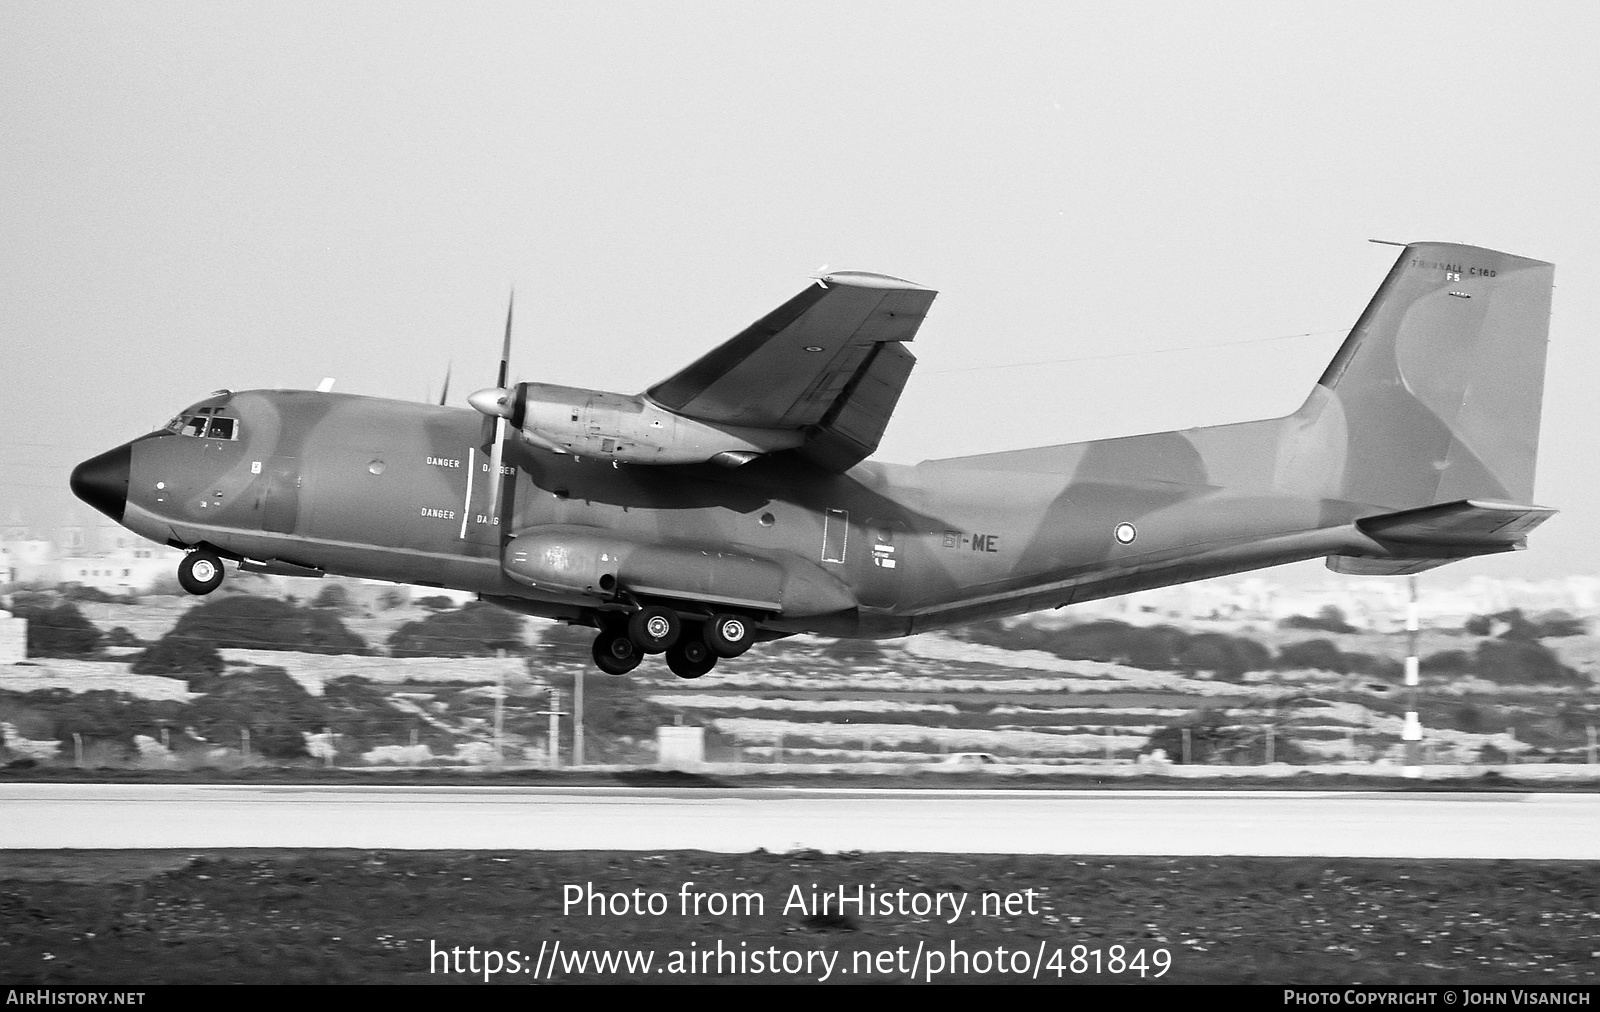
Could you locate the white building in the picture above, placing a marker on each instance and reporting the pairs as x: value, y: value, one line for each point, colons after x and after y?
x: 105, y: 557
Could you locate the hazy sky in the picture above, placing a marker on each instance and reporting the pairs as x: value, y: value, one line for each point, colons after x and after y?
x: 1110, y: 199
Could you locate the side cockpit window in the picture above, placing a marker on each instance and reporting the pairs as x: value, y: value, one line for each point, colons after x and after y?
x: 220, y: 428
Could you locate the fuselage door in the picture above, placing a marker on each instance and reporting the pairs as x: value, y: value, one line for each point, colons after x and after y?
x: 277, y: 494
x: 835, y: 535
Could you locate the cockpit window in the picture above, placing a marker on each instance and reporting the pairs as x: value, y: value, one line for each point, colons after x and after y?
x: 205, y: 425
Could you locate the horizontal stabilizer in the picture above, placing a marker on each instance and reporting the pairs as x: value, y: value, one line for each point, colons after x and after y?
x: 1468, y: 523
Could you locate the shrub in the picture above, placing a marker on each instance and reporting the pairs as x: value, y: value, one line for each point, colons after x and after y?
x: 359, y: 709
x: 476, y: 630
x: 1329, y: 619
x: 1452, y: 662
x: 1371, y: 664
x: 559, y: 641
x: 1559, y: 623
x: 1210, y: 739
x: 56, y: 630
x: 614, y: 706
x: 1523, y: 661
x: 334, y: 597
x: 437, y: 602
x: 1320, y: 655
x: 1519, y: 627
x: 1506, y: 660
x: 97, y: 715
x: 1228, y: 657
x: 273, y: 706
x: 265, y: 623
x: 180, y: 655
x: 1154, y: 648
x: 1151, y: 647
x: 79, y: 592
x: 120, y: 636
x: 1468, y: 717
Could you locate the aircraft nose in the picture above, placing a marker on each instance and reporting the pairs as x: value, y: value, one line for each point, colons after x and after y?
x: 102, y: 481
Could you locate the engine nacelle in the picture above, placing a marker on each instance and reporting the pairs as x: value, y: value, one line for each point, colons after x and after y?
x: 633, y: 430
x: 597, y: 563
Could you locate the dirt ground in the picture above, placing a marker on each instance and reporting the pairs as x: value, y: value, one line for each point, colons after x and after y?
x: 122, y: 918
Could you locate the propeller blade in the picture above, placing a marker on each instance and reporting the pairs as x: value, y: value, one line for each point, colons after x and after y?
x: 498, y: 403
x: 445, y: 395
x: 505, y: 351
x: 495, y: 457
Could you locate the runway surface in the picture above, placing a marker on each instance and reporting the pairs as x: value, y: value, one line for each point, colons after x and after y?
x: 1196, y: 823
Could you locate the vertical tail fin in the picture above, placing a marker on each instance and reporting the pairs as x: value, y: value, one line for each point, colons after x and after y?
x: 1440, y: 383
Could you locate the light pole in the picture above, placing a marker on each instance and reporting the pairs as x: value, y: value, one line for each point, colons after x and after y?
x: 1411, y: 734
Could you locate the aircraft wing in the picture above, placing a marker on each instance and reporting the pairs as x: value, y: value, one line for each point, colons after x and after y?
x: 831, y: 362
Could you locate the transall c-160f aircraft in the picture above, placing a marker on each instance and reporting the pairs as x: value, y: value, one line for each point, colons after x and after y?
x: 733, y: 503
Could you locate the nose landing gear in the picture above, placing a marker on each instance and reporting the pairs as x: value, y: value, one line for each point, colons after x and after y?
x: 200, y: 572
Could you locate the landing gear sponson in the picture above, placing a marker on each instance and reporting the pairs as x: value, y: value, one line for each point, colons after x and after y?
x: 692, y: 646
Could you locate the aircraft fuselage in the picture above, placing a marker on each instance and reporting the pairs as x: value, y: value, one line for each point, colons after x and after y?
x: 392, y: 490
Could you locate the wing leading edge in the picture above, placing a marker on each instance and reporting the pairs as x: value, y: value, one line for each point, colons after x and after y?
x: 830, y: 362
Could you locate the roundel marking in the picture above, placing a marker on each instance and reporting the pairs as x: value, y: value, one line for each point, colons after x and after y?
x: 1125, y: 533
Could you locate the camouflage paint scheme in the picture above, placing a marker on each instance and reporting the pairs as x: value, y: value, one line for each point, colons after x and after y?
x: 1415, y: 447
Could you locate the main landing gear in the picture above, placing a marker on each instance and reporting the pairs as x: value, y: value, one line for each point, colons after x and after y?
x: 692, y: 647
x: 200, y: 572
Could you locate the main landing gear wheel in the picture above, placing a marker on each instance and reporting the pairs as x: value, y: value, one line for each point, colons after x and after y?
x: 200, y: 572
x: 690, y: 657
x: 615, y: 653
x: 729, y: 635
x: 654, y: 629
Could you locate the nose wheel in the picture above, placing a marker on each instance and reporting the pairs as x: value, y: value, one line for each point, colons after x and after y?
x: 200, y: 572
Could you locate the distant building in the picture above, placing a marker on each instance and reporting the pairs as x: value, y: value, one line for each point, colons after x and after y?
x: 13, y: 638
x: 105, y: 557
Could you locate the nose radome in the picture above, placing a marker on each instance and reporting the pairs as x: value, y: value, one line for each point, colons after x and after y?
x: 102, y: 481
